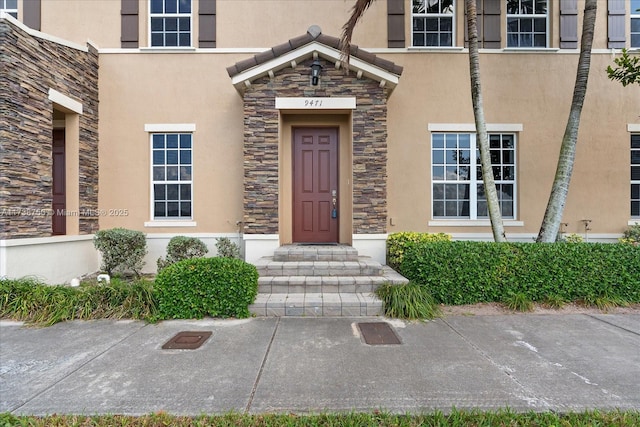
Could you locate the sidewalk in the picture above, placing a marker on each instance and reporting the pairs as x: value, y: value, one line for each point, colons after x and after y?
x: 526, y: 362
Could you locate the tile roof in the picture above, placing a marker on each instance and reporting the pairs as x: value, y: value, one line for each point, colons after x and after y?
x: 313, y: 34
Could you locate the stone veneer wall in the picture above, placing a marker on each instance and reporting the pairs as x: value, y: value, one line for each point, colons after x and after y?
x: 261, y: 122
x: 29, y: 67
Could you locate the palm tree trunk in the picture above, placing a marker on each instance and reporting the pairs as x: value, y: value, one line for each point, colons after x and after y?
x: 493, y: 204
x: 558, y: 197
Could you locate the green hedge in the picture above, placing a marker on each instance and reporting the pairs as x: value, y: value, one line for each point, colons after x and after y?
x: 470, y: 272
x: 199, y: 287
x: 399, y: 243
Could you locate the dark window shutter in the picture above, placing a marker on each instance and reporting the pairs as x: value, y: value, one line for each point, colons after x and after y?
x: 491, y: 24
x: 616, y: 23
x: 478, y: 23
x: 31, y: 12
x: 568, y: 24
x: 395, y: 23
x: 207, y: 23
x: 129, y: 23
x: 488, y: 24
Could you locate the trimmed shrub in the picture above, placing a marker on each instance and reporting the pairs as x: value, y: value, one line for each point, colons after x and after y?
x: 399, y: 243
x: 122, y: 250
x: 198, y: 287
x: 471, y: 272
x: 182, y: 247
x: 226, y: 248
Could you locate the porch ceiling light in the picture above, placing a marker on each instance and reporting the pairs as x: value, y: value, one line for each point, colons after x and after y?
x: 316, y: 67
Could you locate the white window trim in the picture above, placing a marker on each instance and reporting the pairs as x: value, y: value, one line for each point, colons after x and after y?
x: 537, y: 15
x: 171, y: 15
x: 632, y: 16
x: 8, y: 11
x: 436, y: 15
x: 152, y: 128
x: 471, y: 127
x: 474, y: 221
x: 634, y: 219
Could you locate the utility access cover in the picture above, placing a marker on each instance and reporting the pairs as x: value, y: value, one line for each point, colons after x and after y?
x: 378, y: 333
x: 188, y: 340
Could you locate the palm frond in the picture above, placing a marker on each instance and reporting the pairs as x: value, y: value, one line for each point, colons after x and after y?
x: 357, y: 11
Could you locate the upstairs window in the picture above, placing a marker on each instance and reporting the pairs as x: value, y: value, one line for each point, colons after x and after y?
x: 433, y: 23
x: 635, y: 23
x: 527, y: 23
x: 170, y: 23
x: 10, y: 6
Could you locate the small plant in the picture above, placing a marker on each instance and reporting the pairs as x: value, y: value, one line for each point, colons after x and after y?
x: 631, y: 235
x: 572, y: 238
x: 603, y: 302
x: 554, y: 301
x: 408, y: 301
x: 198, y: 287
x: 122, y: 250
x: 226, y: 248
x: 182, y: 247
x: 518, y: 302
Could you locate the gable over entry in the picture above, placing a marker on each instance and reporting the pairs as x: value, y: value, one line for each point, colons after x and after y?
x: 278, y: 96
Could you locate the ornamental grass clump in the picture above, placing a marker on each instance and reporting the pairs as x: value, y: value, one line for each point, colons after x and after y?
x: 408, y: 301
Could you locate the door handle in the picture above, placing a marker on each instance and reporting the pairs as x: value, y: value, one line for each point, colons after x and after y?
x: 334, y: 211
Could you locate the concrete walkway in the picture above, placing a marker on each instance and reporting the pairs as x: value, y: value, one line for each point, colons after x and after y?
x: 526, y: 362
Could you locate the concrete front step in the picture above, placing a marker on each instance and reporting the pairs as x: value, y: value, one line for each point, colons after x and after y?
x: 328, y: 284
x: 316, y: 305
x: 363, y: 266
x: 301, y: 252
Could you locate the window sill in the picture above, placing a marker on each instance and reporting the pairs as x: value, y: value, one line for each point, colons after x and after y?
x: 435, y: 48
x: 170, y: 224
x: 634, y: 221
x: 162, y: 49
x: 472, y: 223
x: 530, y: 49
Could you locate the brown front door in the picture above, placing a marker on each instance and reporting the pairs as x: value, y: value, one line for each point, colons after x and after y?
x: 315, y: 185
x: 59, y: 223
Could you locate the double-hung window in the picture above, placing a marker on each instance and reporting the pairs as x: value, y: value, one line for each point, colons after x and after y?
x: 433, y: 23
x: 458, y: 191
x: 635, y: 23
x: 10, y: 6
x: 172, y: 176
x: 635, y: 175
x: 170, y: 23
x: 527, y: 22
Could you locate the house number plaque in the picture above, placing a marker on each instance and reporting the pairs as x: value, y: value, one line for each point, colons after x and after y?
x: 316, y: 103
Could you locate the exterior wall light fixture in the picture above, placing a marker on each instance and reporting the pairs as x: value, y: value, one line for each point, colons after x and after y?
x: 316, y: 67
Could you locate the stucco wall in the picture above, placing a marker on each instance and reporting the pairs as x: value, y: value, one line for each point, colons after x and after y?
x: 31, y: 66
